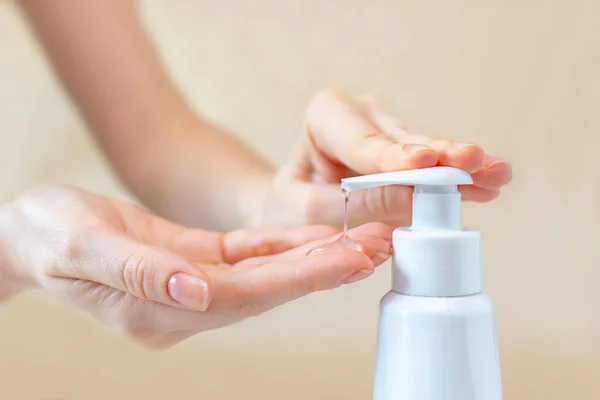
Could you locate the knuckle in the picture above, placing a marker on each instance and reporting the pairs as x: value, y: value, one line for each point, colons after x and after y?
x: 75, y: 248
x: 134, y: 269
x: 387, y: 203
x: 265, y: 248
x: 384, y: 200
x: 371, y: 202
x: 72, y: 252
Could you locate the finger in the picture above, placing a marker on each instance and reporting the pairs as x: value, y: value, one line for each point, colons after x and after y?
x: 480, y: 195
x: 246, y: 243
x: 390, y: 124
x: 377, y: 249
x: 488, y: 171
x: 195, y: 245
x: 199, y: 246
x: 382, y: 204
x: 146, y: 272
x: 494, y: 174
x: 466, y: 156
x: 265, y: 287
x: 374, y: 237
x: 342, y: 132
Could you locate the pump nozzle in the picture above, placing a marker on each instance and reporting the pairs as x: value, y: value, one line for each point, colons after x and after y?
x: 436, y: 176
x: 436, y: 201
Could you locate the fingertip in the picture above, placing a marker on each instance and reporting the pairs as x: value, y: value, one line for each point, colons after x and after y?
x: 502, y: 170
x: 478, y: 194
x: 376, y: 248
x: 466, y: 156
x: 340, y: 264
x: 494, y: 175
x: 190, y: 291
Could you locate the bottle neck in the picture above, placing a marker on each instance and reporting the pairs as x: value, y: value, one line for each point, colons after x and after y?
x: 436, y: 207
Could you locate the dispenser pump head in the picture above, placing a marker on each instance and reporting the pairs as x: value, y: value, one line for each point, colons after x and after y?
x: 435, y: 256
x: 436, y: 200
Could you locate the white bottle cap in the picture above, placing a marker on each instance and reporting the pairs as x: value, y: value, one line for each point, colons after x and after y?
x: 435, y: 256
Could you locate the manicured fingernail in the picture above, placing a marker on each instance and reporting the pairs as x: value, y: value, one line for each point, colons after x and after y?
x: 415, y: 148
x: 357, y: 276
x: 189, y: 291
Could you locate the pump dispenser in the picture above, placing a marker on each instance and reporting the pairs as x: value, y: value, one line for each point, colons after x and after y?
x: 437, y: 336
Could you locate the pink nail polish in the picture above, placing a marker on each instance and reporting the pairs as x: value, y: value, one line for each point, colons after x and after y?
x: 189, y: 291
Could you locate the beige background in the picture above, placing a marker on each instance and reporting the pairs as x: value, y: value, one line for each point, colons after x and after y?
x: 520, y: 77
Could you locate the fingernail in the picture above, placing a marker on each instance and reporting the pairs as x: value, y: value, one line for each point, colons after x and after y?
x: 189, y: 291
x: 415, y: 148
x: 461, y: 145
x: 384, y: 256
x: 494, y: 163
x: 357, y: 276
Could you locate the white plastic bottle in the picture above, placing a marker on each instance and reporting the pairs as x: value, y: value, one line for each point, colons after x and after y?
x: 437, y: 338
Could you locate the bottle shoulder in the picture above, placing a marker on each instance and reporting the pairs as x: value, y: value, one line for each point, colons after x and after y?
x: 475, y: 304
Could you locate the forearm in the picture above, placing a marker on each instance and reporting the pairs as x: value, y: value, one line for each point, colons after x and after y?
x: 179, y: 165
x: 206, y: 178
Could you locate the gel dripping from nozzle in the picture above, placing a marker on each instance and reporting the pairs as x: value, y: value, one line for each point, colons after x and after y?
x: 344, y: 241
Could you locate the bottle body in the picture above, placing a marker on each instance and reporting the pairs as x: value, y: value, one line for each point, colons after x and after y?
x: 437, y: 348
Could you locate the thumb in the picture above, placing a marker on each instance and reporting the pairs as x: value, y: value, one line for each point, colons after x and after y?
x: 146, y: 272
x: 383, y: 204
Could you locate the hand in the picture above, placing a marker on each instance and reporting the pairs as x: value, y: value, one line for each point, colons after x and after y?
x: 158, y: 282
x: 346, y: 137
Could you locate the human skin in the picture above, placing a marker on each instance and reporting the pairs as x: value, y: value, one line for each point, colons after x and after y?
x: 189, y: 170
x: 159, y: 282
